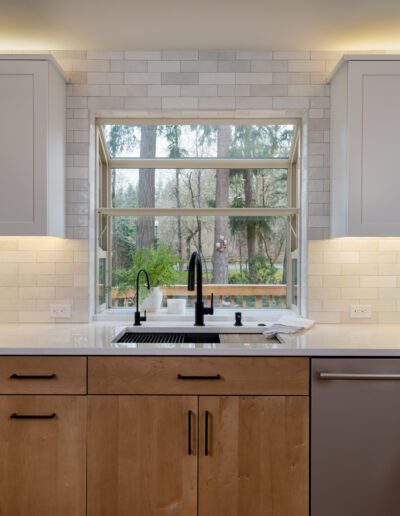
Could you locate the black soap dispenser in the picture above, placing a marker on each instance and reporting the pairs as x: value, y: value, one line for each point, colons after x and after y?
x: 238, y: 319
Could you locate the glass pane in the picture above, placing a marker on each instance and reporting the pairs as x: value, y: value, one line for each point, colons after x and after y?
x: 295, y: 282
x: 101, y: 282
x: 188, y: 188
x: 244, y: 258
x: 199, y: 141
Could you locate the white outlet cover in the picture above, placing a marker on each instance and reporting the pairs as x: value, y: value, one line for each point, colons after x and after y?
x: 360, y: 311
x: 60, y: 311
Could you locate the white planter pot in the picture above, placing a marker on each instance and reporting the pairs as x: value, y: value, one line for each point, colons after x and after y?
x: 176, y: 306
x: 153, y: 301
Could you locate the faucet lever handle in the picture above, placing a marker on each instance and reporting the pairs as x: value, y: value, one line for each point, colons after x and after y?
x: 210, y: 310
x: 144, y: 317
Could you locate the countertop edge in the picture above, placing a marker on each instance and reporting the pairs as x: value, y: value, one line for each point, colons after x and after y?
x: 318, y: 352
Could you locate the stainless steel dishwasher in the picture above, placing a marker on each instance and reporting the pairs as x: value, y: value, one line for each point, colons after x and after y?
x: 355, y: 437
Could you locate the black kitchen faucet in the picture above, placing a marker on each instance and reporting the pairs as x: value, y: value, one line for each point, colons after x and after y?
x: 195, y: 267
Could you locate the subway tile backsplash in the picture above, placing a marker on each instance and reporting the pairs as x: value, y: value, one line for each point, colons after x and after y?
x: 347, y: 271
x: 36, y: 272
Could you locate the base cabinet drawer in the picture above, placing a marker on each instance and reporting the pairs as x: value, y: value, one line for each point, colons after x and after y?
x: 43, y: 455
x: 43, y: 375
x: 198, y: 375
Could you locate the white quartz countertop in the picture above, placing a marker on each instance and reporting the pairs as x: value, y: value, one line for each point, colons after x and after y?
x: 96, y: 339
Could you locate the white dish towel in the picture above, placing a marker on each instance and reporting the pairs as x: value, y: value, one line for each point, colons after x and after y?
x: 288, y: 324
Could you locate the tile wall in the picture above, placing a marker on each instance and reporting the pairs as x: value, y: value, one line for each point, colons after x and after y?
x: 347, y: 271
x: 35, y: 272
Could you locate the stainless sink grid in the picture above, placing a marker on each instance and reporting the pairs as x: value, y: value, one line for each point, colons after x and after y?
x: 148, y: 338
x: 130, y: 337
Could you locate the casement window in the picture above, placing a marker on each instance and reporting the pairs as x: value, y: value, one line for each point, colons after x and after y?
x: 229, y: 190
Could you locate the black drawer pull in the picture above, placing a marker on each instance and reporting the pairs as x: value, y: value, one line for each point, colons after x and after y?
x: 189, y: 432
x: 33, y: 416
x: 199, y: 377
x: 206, y: 416
x: 16, y: 376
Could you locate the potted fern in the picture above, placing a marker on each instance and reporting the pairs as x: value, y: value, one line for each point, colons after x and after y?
x: 160, y: 263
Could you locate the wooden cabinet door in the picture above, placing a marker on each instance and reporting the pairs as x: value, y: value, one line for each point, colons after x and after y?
x: 43, y: 456
x: 142, y: 456
x: 253, y: 459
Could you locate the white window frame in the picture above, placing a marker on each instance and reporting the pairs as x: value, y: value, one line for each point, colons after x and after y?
x: 104, y: 164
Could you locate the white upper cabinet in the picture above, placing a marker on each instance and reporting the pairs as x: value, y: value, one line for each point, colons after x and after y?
x: 365, y: 147
x: 32, y: 146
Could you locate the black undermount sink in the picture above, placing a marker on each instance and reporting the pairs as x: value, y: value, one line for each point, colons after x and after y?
x: 131, y: 337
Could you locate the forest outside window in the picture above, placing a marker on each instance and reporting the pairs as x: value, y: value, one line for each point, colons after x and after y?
x: 227, y: 190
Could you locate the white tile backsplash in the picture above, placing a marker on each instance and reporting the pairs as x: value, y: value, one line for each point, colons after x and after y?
x: 36, y: 272
x: 347, y: 271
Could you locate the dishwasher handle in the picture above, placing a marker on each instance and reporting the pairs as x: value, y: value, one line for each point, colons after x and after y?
x: 358, y: 376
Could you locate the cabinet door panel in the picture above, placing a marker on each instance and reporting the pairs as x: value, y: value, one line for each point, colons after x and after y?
x: 257, y: 460
x: 355, y: 453
x: 374, y: 170
x: 42, y: 461
x: 23, y: 128
x: 138, y: 456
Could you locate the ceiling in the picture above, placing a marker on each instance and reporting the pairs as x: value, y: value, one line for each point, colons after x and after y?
x: 200, y: 24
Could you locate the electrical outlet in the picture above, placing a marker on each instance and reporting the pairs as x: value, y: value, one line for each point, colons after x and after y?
x: 60, y: 311
x: 360, y: 311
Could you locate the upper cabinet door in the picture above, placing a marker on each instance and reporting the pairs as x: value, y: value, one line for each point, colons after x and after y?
x: 365, y: 158
x: 32, y: 148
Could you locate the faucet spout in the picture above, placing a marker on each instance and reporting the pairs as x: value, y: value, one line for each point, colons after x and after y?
x: 195, y: 270
x: 138, y: 317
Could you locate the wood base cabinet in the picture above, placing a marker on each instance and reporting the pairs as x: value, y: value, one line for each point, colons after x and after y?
x: 253, y: 456
x: 42, y: 455
x: 198, y: 436
x: 142, y: 456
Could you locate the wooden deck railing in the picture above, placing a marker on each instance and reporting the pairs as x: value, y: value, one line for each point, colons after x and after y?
x: 222, y: 293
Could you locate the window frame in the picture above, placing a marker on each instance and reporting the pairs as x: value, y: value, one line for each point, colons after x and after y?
x: 104, y: 164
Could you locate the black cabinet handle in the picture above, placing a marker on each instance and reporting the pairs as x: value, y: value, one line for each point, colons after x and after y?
x: 33, y: 416
x: 199, y: 377
x: 16, y: 376
x: 189, y: 432
x: 206, y: 416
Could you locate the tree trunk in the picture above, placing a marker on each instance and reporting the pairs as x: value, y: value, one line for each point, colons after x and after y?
x: 199, y: 232
x: 179, y: 220
x: 146, y: 192
x: 221, y: 229
x: 251, y: 226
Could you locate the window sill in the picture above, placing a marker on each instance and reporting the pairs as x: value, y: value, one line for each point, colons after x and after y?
x: 224, y: 315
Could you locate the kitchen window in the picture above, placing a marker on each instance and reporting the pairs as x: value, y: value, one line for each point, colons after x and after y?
x: 228, y: 190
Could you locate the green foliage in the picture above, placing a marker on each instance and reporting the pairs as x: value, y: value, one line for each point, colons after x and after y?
x: 119, y: 139
x: 265, y: 272
x: 194, y: 188
x: 160, y: 263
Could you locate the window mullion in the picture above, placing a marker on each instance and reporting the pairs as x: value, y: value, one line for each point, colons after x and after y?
x: 197, y: 163
x: 201, y: 212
